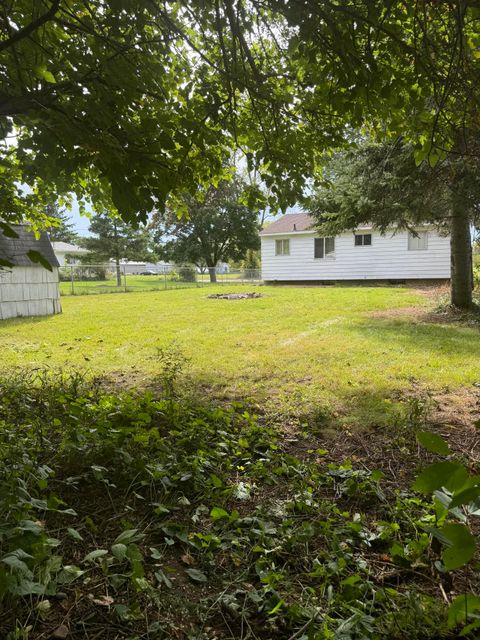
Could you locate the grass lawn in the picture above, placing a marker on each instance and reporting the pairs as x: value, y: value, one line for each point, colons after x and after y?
x: 141, y: 283
x: 349, y: 347
x: 144, y: 513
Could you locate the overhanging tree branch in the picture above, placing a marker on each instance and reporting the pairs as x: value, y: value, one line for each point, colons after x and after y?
x: 30, y: 28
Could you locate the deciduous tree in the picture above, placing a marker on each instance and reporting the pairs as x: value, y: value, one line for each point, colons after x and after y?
x: 217, y: 227
x: 127, y: 102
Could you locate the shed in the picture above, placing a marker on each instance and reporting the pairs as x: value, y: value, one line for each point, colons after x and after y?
x: 27, y: 288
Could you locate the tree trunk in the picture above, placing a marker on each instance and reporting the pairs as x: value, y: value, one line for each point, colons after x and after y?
x: 461, y: 255
x: 213, y: 274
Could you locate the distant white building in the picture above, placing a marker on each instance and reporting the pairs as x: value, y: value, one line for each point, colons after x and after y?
x: 293, y: 251
x: 67, y: 253
x: 131, y: 267
x: 26, y: 287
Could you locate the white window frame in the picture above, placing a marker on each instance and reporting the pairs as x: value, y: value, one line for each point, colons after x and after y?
x: 282, y: 247
x: 418, y: 242
x: 362, y: 236
x: 326, y: 255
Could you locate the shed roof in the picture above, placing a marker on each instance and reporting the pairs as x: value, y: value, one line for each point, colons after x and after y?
x: 289, y: 223
x: 15, y: 249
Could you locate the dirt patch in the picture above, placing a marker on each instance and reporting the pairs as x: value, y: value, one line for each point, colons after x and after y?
x: 395, y: 451
x: 419, y: 315
x: 412, y: 313
x: 234, y: 296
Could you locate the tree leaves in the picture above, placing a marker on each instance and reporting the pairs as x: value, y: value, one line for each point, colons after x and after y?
x: 433, y: 442
x: 451, y: 475
x: 43, y: 73
x: 38, y: 258
x: 8, y: 231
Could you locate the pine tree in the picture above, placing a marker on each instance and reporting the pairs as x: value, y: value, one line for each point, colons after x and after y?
x: 63, y: 230
x: 113, y: 238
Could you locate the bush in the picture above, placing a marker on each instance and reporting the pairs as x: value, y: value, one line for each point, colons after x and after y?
x: 82, y: 273
x: 187, y: 273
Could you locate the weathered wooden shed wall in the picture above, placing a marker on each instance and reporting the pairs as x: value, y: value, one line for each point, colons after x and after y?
x: 26, y: 287
x: 28, y: 291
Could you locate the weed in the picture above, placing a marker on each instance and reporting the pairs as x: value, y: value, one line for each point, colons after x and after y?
x: 116, y: 517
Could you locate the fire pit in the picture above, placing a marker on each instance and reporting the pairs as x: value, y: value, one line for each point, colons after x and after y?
x: 234, y: 296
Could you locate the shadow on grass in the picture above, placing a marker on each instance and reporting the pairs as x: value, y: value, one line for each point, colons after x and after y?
x: 430, y: 338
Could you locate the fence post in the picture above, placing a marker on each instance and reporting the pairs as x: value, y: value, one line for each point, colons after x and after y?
x: 165, y: 276
x: 125, y: 278
x: 71, y: 279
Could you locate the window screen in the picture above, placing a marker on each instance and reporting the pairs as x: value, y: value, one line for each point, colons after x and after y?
x: 324, y: 247
x: 282, y: 247
x: 363, y: 239
x: 319, y: 248
x: 418, y: 242
x: 329, y: 246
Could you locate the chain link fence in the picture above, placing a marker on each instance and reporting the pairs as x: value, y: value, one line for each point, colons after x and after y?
x: 104, y: 278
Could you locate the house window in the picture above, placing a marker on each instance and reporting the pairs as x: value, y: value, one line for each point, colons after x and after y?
x: 363, y: 239
x: 418, y: 241
x: 324, y: 247
x: 282, y: 247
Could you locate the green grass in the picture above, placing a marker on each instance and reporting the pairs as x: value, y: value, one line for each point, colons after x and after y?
x: 133, y: 283
x: 293, y: 345
x: 140, y: 283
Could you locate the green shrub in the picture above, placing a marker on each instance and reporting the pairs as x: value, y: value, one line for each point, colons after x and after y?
x: 187, y: 273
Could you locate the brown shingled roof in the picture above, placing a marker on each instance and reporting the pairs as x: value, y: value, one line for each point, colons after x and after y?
x: 289, y: 223
x: 15, y: 250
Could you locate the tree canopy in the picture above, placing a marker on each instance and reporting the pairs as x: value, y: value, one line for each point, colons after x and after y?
x: 127, y: 102
x: 218, y: 227
x: 380, y: 184
x: 111, y: 238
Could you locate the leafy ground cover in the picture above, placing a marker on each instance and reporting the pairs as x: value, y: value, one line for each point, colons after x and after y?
x: 239, y: 469
x: 153, y: 516
x: 337, y: 351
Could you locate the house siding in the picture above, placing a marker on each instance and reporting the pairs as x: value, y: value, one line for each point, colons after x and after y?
x: 388, y: 258
x: 29, y: 291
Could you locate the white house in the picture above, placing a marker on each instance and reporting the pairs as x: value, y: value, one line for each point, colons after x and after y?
x: 26, y: 287
x: 292, y: 251
x: 67, y: 253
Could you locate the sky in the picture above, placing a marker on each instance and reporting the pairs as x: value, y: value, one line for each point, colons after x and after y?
x: 81, y: 222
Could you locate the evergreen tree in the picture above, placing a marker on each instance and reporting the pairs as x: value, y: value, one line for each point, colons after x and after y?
x: 61, y: 229
x: 381, y: 184
x: 114, y: 239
